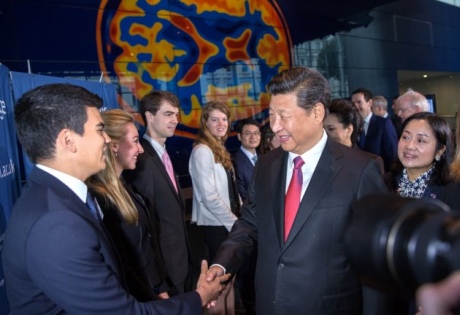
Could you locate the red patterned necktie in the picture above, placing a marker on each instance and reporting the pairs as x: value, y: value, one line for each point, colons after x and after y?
x: 168, y: 165
x: 292, y: 200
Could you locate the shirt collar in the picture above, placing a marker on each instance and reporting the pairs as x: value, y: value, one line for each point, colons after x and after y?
x: 368, y: 118
x: 158, y: 147
x: 313, y: 154
x: 74, y: 184
x: 248, y: 153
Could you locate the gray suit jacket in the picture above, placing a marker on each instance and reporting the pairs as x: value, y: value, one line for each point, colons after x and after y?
x: 167, y: 208
x: 309, y: 273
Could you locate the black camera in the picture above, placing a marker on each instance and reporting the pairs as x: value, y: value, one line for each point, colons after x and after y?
x: 396, y: 243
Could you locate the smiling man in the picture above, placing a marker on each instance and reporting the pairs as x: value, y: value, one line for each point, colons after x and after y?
x: 57, y: 257
x: 379, y: 134
x: 297, y: 206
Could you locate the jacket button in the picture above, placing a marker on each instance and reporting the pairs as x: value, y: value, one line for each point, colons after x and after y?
x: 281, y: 266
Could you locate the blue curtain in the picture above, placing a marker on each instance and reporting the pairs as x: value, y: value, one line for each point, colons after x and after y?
x: 10, y: 179
x: 23, y: 82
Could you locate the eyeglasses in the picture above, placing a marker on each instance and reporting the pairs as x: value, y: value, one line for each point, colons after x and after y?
x: 403, y: 110
x: 248, y: 133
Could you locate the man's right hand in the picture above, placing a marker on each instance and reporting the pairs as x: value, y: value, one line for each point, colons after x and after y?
x: 213, y: 272
x: 210, y: 285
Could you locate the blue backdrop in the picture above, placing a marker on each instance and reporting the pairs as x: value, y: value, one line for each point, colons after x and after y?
x: 10, y: 181
x: 23, y: 82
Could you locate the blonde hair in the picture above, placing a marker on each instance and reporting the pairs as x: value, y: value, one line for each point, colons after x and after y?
x: 106, y: 182
x: 205, y: 136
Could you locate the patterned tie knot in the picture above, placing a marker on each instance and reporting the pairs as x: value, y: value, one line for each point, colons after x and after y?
x: 254, y: 159
x: 298, y: 163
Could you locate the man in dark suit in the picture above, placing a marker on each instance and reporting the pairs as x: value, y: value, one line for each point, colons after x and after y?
x: 379, y: 135
x: 244, y: 161
x: 57, y: 256
x: 245, y: 158
x: 161, y: 190
x: 295, y: 214
x: 379, y: 107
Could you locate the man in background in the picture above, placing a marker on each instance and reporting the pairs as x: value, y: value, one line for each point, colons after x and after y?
x: 378, y: 135
x: 244, y: 161
x: 57, y: 256
x: 245, y: 158
x: 410, y: 103
x: 155, y: 180
x: 380, y: 108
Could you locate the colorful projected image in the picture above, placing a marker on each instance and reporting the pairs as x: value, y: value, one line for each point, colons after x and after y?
x: 199, y: 50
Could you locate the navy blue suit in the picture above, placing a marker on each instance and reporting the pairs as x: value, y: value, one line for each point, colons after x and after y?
x: 243, y: 169
x: 381, y: 139
x: 58, y: 259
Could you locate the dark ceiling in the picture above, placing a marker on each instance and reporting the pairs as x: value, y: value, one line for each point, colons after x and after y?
x: 311, y: 19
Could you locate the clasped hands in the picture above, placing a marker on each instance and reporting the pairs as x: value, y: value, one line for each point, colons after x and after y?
x: 211, y: 284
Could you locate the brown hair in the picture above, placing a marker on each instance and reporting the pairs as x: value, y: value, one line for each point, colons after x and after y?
x: 205, y: 136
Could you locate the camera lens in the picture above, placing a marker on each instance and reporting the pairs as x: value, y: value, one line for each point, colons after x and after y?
x: 400, y: 243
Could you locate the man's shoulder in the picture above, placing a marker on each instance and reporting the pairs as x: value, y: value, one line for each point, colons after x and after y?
x: 348, y: 155
x: 272, y: 155
x: 378, y: 120
x: 239, y: 156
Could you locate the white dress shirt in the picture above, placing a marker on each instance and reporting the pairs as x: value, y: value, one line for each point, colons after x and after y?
x: 311, y: 158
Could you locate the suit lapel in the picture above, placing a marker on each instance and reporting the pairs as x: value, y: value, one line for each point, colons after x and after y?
x: 247, y: 161
x: 277, y: 181
x: 322, y: 177
x: 160, y: 166
x: 67, y: 198
x: 371, y: 130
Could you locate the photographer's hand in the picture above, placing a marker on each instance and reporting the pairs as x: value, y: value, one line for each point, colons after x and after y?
x: 440, y: 298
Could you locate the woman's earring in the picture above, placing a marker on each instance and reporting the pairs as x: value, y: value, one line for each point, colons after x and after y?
x: 437, y: 158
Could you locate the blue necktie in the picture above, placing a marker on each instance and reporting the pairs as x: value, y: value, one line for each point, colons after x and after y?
x: 254, y: 159
x: 92, y: 206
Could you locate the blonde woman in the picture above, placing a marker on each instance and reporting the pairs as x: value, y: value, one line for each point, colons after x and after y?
x: 215, y: 197
x: 125, y: 214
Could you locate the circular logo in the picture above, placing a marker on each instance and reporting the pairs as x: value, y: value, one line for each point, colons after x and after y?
x: 199, y: 50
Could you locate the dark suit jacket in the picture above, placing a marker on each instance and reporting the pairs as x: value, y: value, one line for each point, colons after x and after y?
x: 57, y: 259
x: 397, y: 123
x: 167, y: 207
x: 309, y: 273
x: 138, y: 246
x: 243, y: 169
x: 381, y: 139
x: 451, y: 196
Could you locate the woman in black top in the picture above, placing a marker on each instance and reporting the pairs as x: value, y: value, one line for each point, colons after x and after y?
x: 125, y: 214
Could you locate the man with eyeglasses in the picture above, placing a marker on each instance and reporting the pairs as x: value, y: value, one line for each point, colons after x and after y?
x: 244, y: 161
x: 245, y: 158
x: 410, y: 103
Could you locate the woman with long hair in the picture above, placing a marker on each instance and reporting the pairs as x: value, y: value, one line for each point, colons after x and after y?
x: 125, y: 214
x: 215, y: 197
